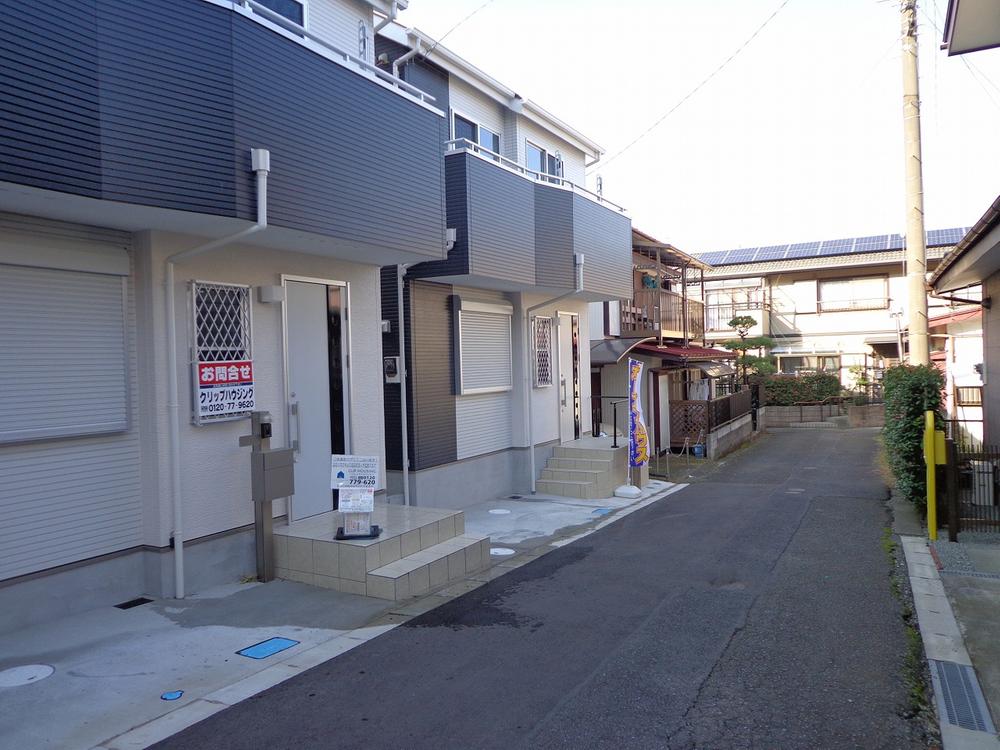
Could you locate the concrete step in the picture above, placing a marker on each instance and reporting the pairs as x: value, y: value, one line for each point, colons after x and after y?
x: 575, y: 475
x: 594, y: 464
x: 602, y: 454
x: 564, y: 488
x: 429, y: 568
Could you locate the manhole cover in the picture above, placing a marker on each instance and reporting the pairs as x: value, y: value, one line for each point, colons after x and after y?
x: 501, y: 551
x: 516, y: 497
x: 499, y: 511
x: 24, y: 675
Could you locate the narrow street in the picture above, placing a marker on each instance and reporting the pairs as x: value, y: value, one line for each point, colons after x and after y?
x: 752, y: 610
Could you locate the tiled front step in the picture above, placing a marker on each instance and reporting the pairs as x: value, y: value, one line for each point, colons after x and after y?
x: 435, y: 566
x: 590, y: 464
x: 561, y: 488
x: 573, y: 475
x: 601, y: 454
x: 307, y: 551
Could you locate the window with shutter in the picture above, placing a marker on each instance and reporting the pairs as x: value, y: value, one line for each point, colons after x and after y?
x: 63, y: 360
x: 483, y: 350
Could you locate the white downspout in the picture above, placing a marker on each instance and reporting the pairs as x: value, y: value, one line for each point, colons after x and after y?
x: 404, y: 422
x: 529, y: 391
x: 400, y: 61
x: 393, y: 11
x: 261, y: 162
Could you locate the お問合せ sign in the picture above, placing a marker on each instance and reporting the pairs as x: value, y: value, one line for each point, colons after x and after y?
x: 225, y: 388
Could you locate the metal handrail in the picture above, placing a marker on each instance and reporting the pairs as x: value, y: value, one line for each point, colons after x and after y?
x: 279, y: 20
x: 614, y: 415
x: 459, y: 145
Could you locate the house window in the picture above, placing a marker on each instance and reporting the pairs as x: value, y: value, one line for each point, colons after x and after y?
x: 534, y: 158
x: 482, y: 346
x: 489, y: 140
x: 293, y: 10
x: 542, y: 343
x: 64, y: 365
x: 222, y: 328
x: 865, y: 293
x: 804, y: 365
x: 465, y: 130
x: 971, y: 395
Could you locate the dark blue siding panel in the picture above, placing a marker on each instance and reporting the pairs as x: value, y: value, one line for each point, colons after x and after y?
x: 357, y: 161
x: 604, y: 236
x: 554, y: 237
x: 501, y: 222
x: 49, y: 102
x: 167, y: 105
x: 158, y: 104
x: 457, y: 201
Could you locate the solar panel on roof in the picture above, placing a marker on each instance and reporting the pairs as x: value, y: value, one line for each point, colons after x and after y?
x: 803, y: 250
x: 937, y: 237
x: 772, y: 252
x: 871, y: 244
x: 896, y: 242
x: 713, y: 257
x: 743, y: 255
x: 836, y: 247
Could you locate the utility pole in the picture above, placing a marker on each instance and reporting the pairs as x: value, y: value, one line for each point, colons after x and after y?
x: 916, y: 250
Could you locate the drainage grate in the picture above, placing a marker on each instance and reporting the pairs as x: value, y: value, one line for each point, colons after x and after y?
x: 960, y: 698
x: 133, y: 603
x: 515, y: 497
x: 970, y: 574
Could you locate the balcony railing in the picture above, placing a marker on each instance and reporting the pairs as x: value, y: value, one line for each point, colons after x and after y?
x: 251, y: 8
x: 659, y: 312
x: 463, y: 144
x: 853, y: 305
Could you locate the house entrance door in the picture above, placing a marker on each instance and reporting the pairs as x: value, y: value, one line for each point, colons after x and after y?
x: 570, y: 391
x: 316, y: 352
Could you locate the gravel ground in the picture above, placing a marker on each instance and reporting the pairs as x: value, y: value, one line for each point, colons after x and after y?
x: 953, y: 556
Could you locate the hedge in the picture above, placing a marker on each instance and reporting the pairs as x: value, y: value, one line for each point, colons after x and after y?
x: 786, y: 390
x: 910, y: 391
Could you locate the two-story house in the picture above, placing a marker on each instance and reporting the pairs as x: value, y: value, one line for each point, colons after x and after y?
x: 836, y: 306
x: 495, y: 368
x: 197, y: 198
x: 686, y: 386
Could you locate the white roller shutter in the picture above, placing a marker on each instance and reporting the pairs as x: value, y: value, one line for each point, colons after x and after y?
x: 482, y: 347
x: 62, y: 363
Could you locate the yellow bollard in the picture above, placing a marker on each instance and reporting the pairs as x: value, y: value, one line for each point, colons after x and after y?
x: 931, y: 463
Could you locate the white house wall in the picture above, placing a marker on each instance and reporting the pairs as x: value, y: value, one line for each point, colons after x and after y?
x: 573, y: 158
x: 467, y: 101
x: 336, y: 22
x: 215, y: 469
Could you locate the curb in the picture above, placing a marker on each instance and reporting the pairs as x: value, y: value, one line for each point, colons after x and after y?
x: 942, y: 639
x: 198, y: 709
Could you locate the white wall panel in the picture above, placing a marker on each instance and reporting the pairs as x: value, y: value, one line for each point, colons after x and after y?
x: 336, y: 21
x: 472, y: 104
x: 573, y: 158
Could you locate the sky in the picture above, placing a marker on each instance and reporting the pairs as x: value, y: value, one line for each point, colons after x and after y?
x: 799, y: 138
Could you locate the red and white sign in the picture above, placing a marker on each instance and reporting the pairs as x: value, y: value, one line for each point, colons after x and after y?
x: 225, y: 388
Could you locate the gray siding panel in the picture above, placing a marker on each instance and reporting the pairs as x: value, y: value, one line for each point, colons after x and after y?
x: 501, y: 222
x: 159, y: 104
x: 554, y: 237
x: 350, y: 158
x: 457, y: 211
x: 433, y: 422
x: 604, y: 236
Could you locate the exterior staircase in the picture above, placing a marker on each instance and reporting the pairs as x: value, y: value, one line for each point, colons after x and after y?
x: 584, y: 471
x: 420, y: 549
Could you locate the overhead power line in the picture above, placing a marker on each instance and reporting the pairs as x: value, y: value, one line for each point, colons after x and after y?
x: 697, y: 88
x: 442, y: 37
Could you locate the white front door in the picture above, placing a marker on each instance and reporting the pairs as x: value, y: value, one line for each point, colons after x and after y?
x: 570, y: 395
x: 314, y: 324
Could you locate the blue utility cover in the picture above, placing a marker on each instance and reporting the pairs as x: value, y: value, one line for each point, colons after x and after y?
x: 267, y: 648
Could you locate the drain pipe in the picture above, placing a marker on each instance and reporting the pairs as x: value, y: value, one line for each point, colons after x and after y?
x: 578, y: 287
x: 404, y: 421
x: 400, y: 61
x: 261, y: 164
x: 393, y: 11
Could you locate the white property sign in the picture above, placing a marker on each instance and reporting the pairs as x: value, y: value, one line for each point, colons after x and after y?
x: 225, y: 388
x: 353, y: 471
x: 356, y: 500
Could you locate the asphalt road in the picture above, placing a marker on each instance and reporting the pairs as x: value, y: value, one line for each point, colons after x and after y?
x: 751, y: 610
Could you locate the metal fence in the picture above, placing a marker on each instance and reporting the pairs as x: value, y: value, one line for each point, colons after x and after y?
x: 972, y: 493
x: 965, y: 433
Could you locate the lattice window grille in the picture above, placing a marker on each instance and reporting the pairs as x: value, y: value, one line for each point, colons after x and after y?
x: 222, y: 329
x: 542, y: 341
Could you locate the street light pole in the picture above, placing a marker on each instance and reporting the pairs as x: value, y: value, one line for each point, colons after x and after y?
x: 916, y: 251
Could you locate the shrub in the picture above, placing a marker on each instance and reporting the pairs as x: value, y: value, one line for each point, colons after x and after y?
x: 910, y: 391
x: 786, y: 390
